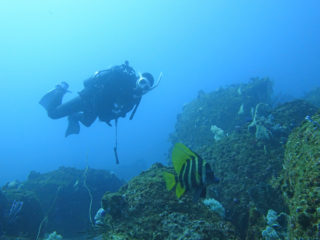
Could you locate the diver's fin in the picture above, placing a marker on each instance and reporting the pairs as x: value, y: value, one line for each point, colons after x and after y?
x: 54, y: 98
x: 73, y: 125
x: 169, y: 179
x: 50, y: 100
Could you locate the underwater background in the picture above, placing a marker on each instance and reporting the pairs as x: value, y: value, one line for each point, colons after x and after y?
x: 197, y: 45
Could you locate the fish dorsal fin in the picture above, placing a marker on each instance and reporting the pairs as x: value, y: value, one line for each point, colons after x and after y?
x: 180, y: 155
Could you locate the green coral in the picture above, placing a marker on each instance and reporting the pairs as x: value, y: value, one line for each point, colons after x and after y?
x: 301, y: 182
x: 249, y: 159
x: 144, y: 209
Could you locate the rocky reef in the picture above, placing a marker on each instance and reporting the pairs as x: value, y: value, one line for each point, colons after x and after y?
x: 227, y: 109
x: 144, y: 209
x: 266, y: 155
x: 248, y: 157
x: 301, y: 180
x: 313, y: 97
x: 3, y: 205
x: 55, y: 201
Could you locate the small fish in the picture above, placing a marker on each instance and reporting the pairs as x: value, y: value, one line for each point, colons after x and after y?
x: 192, y: 172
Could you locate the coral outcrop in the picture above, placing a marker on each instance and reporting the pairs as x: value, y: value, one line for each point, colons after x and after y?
x: 249, y: 158
x: 3, y: 206
x: 58, y: 201
x: 227, y: 109
x: 266, y: 156
x: 313, y: 97
x: 144, y: 209
x: 301, y: 182
x: 24, y: 222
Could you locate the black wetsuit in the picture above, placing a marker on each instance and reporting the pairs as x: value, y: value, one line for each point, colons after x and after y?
x: 108, y: 95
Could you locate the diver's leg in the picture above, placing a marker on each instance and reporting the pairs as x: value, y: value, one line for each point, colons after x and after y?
x: 75, y: 105
x: 87, y: 118
x: 74, y: 119
x: 53, y: 98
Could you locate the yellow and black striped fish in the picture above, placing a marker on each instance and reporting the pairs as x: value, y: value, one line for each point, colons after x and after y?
x: 193, y: 173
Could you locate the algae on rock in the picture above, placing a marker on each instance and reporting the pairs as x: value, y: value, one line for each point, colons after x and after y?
x: 301, y: 181
x: 58, y: 200
x: 144, y: 209
x: 227, y: 108
x: 249, y: 159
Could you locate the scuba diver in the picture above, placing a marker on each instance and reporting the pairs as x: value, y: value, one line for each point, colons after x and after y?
x: 107, y: 95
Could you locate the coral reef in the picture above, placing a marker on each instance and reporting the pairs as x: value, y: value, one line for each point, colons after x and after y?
x: 58, y: 201
x: 266, y: 155
x: 144, y: 209
x: 270, y: 234
x: 218, y: 133
x: 245, y: 167
x: 25, y: 222
x: 215, y: 206
x: 249, y: 158
x: 301, y: 181
x: 3, y: 206
x: 227, y: 108
x: 54, y: 236
x: 277, y: 226
x: 261, y: 122
x: 256, y: 224
x: 313, y: 97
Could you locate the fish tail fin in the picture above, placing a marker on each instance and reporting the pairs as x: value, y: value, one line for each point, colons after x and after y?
x: 180, y: 190
x: 170, y: 180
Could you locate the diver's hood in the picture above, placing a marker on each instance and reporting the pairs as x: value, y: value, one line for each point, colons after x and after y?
x: 141, y: 82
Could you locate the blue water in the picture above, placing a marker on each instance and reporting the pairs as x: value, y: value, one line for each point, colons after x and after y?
x: 196, y: 44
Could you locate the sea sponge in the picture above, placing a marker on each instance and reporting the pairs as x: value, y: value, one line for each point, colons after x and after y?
x: 54, y: 236
x: 215, y: 206
x: 217, y: 132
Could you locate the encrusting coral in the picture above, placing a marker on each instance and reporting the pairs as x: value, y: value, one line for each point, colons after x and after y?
x: 144, y: 209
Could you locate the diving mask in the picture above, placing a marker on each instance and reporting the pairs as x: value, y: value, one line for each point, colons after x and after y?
x: 143, y: 83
